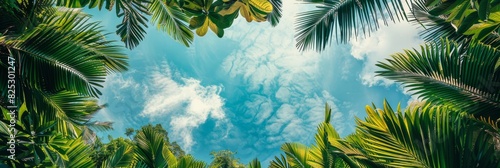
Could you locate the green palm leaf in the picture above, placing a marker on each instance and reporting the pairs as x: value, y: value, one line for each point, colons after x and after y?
x: 133, y: 14
x: 132, y: 29
x: 189, y: 161
x: 425, y: 136
x: 275, y: 16
x: 76, y: 53
x: 151, y: 150
x: 436, y: 27
x: 344, y: 19
x: 171, y: 19
x: 121, y: 158
x: 78, y: 155
x: 280, y: 162
x: 255, y: 163
x: 465, y: 79
x: 297, y: 155
x: 332, y: 151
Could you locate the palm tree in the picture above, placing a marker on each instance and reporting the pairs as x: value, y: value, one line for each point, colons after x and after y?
x: 150, y: 150
x: 225, y: 159
x: 58, y: 60
x: 255, y: 163
x: 129, y: 132
x: 422, y: 136
x: 38, y: 142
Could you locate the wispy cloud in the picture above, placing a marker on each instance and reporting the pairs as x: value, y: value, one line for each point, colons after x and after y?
x: 285, y: 101
x: 164, y: 97
x: 186, y: 102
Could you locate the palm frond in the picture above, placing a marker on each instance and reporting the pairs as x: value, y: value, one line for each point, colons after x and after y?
x: 427, y: 136
x: 342, y: 19
x: 330, y: 150
x: 190, y: 161
x: 444, y: 20
x: 297, y: 155
x: 255, y: 163
x: 122, y: 157
x: 151, y: 149
x: 441, y: 74
x: 19, y: 16
x: 76, y: 53
x: 171, y: 19
x: 280, y: 162
x: 436, y: 27
x: 132, y: 29
x: 275, y: 16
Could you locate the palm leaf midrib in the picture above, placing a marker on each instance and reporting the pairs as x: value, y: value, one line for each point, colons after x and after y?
x: 333, y: 9
x: 468, y: 91
x: 56, y: 63
x: 379, y: 126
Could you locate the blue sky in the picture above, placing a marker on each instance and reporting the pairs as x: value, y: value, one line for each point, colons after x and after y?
x: 251, y: 90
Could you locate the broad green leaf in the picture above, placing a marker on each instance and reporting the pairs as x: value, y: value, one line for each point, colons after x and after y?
x: 446, y: 7
x: 476, y: 28
x: 479, y: 36
x: 469, y: 20
x: 218, y: 31
x: 484, y: 9
x: 232, y: 9
x: 261, y: 6
x: 196, y: 22
x: 201, y: 31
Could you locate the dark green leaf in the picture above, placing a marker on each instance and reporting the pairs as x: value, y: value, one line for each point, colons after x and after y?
x: 484, y: 9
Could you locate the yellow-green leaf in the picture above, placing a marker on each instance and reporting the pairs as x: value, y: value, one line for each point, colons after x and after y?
x: 212, y: 26
x: 235, y: 6
x: 245, y: 12
x: 196, y: 22
x: 203, y: 29
x: 263, y: 6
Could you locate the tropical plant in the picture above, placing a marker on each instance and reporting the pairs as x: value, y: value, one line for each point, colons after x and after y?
x: 255, y: 163
x: 344, y: 20
x: 174, y: 16
x: 102, y: 151
x: 149, y: 149
x: 422, y: 136
x: 34, y: 141
x: 63, y: 43
x: 475, y: 20
x: 56, y: 60
x: 172, y: 146
x: 129, y: 132
x: 448, y: 73
x: 225, y: 159
x: 461, y: 20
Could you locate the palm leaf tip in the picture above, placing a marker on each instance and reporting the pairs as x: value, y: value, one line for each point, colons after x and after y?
x: 344, y: 20
x: 132, y: 29
x: 275, y: 16
x: 171, y: 19
x: 446, y: 73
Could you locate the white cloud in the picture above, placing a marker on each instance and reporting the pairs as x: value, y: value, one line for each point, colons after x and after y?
x: 380, y: 45
x: 286, y: 102
x: 267, y: 55
x: 186, y: 103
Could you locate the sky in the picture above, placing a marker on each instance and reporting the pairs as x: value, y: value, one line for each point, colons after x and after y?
x: 251, y: 90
